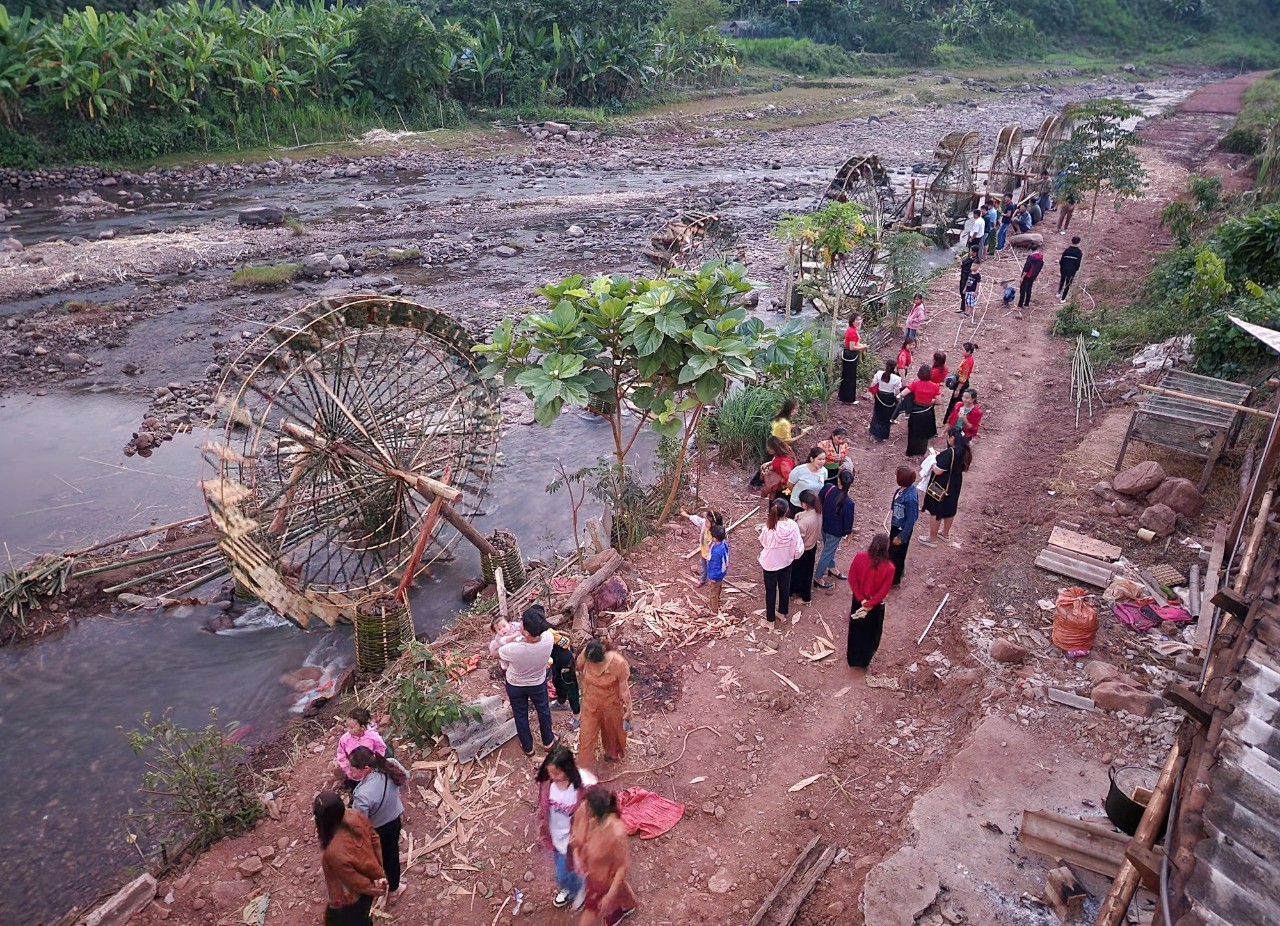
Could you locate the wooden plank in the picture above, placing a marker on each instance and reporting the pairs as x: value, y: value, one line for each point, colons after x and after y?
x: 1211, y: 582
x: 1094, y: 847
x: 1075, y: 542
x: 806, y: 885
x: 1073, y: 570
x: 782, y: 882
x: 1064, y: 893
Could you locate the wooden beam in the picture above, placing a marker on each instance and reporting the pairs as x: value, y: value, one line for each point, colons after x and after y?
x: 1201, y: 400
x: 1192, y: 704
x: 1083, y: 544
x: 782, y: 882
x: 1146, y: 860
x: 1232, y: 602
x: 1065, y: 894
x: 1212, y: 579
x: 1095, y: 847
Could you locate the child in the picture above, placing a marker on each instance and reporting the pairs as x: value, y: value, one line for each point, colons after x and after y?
x: 971, y: 294
x: 717, y: 565
x: 915, y: 318
x: 504, y: 632
x: 358, y: 730
x: 1010, y: 293
x: 564, y: 678
x: 704, y: 523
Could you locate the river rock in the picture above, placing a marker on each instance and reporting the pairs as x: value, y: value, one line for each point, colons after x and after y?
x: 130, y: 600
x: 127, y: 901
x: 1007, y: 651
x: 339, y: 263
x: 1160, y: 519
x: 1140, y: 478
x: 1119, y: 695
x: 576, y: 231
x: 315, y: 265
x: 1179, y: 494
x: 505, y: 250
x: 250, y: 866
x: 10, y: 245
x: 555, y: 128
x: 261, y: 215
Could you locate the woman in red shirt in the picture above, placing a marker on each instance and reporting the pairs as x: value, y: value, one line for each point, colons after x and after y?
x: 962, y: 376
x: 938, y: 372
x: 870, y: 578
x: 774, y: 473
x: 921, y: 421
x: 853, y: 348
x: 966, y: 415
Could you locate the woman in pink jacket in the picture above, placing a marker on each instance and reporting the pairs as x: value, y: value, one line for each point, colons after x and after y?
x: 359, y: 731
x: 780, y: 545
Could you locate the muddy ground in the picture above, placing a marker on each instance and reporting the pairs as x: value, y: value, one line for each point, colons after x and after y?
x: 723, y: 732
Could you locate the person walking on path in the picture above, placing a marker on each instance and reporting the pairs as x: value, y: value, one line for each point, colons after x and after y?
x: 838, y: 513
x: 1030, y: 270
x: 598, y: 839
x: 836, y: 449
x: 1065, y: 211
x: 947, y: 479
x: 966, y: 268
x: 967, y: 415
x: 562, y: 787
x: 377, y: 796
x: 918, y: 399
x: 351, y: 859
x: 717, y: 566
x: 870, y: 578
x: 963, y: 373
x: 1068, y: 266
x: 526, y: 680
x: 774, y: 472
x: 605, y: 679
x: 809, y: 520
x: 911, y: 327
x: 884, y: 391
x: 780, y: 546
x: 903, y: 512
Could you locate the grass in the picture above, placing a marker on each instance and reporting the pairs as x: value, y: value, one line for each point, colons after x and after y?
x: 802, y: 56
x: 403, y: 255
x: 1260, y: 111
x: 741, y: 424
x: 294, y: 224
x: 267, y: 277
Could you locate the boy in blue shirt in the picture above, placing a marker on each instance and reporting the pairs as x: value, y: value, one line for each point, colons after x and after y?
x: 717, y: 565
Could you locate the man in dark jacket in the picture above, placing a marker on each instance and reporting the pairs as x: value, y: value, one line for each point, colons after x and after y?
x: 1030, y: 270
x: 1068, y: 267
x: 966, y: 267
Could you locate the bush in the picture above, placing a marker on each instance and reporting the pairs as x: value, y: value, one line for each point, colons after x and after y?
x: 425, y: 703
x: 197, y: 776
x: 741, y: 424
x: 798, y: 56
x: 1241, y: 141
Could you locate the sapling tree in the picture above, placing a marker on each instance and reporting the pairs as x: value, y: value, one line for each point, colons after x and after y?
x: 1101, y: 154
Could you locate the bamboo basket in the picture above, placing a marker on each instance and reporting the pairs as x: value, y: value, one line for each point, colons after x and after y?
x: 509, y: 560
x: 383, y: 627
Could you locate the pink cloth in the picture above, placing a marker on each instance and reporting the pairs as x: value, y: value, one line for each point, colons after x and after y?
x: 647, y: 814
x: 348, y: 744
x: 1130, y: 614
x: 916, y: 318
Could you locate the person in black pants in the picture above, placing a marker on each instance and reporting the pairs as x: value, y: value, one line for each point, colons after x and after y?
x: 564, y: 677
x: 526, y: 679
x: 966, y: 268
x: 1068, y: 267
x: 1030, y: 270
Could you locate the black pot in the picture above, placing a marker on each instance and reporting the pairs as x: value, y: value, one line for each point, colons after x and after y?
x: 1122, y: 809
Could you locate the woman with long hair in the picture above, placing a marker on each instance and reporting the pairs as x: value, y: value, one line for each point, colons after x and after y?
x: 775, y: 472
x: 377, y: 796
x: 604, y: 679
x: 947, y: 479
x: 599, y: 841
x: 781, y: 426
x: 903, y: 512
x: 838, y: 511
x: 351, y: 859
x: 884, y: 389
x: 967, y: 416
x: 963, y: 374
x: 853, y: 348
x: 809, y: 520
x: 780, y: 545
x: 561, y: 789
x: 919, y: 398
x: 938, y: 369
x: 870, y: 578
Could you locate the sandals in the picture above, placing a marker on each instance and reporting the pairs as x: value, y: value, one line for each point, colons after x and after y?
x: 837, y: 575
x: 925, y: 541
x: 825, y: 584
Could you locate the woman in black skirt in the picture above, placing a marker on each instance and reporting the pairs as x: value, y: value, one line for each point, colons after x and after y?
x: 920, y: 397
x: 885, y: 390
x: 853, y: 348
x: 948, y: 478
x: 870, y: 578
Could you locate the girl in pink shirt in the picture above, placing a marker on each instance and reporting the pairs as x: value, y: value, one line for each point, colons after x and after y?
x: 360, y: 732
x: 780, y: 545
x: 915, y: 318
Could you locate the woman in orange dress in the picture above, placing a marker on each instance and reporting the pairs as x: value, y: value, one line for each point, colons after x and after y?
x: 604, y: 678
x: 598, y: 840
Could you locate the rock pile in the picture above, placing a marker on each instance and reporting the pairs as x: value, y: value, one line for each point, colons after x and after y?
x: 1148, y: 497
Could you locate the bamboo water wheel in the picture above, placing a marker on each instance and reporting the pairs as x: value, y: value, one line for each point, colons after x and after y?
x: 952, y: 187
x: 1053, y: 132
x: 357, y: 428
x: 1006, y: 162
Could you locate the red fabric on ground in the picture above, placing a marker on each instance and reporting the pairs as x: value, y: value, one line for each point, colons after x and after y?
x: 647, y: 814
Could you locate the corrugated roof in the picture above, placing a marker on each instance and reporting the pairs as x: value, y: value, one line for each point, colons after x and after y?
x: 1236, y: 881
x: 1268, y: 336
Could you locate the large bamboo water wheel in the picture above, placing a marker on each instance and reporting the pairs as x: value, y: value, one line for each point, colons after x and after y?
x: 357, y: 429
x: 951, y: 189
x: 1006, y: 161
x: 1053, y: 132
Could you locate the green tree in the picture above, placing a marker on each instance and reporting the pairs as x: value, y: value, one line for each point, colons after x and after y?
x: 1101, y: 153
x: 689, y: 17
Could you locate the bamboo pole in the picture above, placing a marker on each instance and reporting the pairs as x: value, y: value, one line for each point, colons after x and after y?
x: 1255, y: 542
x: 139, y: 560
x: 1201, y: 400
x: 136, y: 535
x: 161, y: 573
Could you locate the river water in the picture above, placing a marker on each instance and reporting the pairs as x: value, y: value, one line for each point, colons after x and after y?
x: 66, y: 702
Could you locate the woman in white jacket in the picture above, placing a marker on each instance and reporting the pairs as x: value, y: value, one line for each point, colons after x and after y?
x: 780, y: 545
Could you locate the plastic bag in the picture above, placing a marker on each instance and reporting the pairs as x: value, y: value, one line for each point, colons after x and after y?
x: 926, y: 470
x: 1075, y: 621
x: 1122, y: 589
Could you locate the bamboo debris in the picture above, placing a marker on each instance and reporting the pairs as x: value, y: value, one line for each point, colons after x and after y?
x: 676, y: 621
x: 1083, y: 386
x: 22, y: 588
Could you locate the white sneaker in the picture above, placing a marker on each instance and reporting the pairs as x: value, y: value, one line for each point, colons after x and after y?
x: 561, y: 899
x: 581, y: 897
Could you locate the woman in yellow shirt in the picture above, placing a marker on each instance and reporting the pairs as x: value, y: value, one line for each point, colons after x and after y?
x: 782, y: 428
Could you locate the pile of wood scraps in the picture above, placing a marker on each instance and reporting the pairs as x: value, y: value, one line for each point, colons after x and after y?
x: 462, y: 797
x: 673, y: 619
x: 1080, y: 557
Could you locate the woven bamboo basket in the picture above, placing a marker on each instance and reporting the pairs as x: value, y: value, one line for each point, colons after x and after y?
x: 383, y: 627
x: 509, y: 560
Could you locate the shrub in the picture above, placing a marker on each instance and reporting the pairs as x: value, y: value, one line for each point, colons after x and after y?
x: 197, y: 776
x: 265, y: 277
x: 798, y: 56
x: 740, y: 425
x: 425, y: 703
x: 1241, y: 141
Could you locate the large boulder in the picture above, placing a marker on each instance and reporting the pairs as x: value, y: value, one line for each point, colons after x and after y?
x: 1137, y: 479
x: 1160, y: 519
x: 1179, y: 494
x: 316, y: 265
x: 262, y: 215
x: 10, y: 245
x: 1118, y: 694
x: 612, y: 596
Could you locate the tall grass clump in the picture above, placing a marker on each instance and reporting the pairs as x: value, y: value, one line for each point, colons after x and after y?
x: 741, y: 424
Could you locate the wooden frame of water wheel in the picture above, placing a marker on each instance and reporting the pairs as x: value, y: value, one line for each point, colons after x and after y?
x: 355, y: 427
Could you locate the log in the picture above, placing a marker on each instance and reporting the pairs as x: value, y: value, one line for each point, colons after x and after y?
x: 811, y: 878
x: 136, y: 535
x: 782, y: 882
x: 593, y: 582
x: 1064, y: 893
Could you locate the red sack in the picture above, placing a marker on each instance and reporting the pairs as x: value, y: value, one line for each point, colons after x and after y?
x: 648, y: 814
x: 1075, y: 621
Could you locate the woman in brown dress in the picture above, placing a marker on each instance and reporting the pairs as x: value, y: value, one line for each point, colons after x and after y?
x: 604, y: 679
x: 599, y: 842
x: 352, y: 861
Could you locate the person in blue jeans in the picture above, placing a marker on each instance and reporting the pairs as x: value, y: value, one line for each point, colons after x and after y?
x: 838, y: 512
x: 904, y: 510
x: 561, y: 787
x: 526, y: 680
